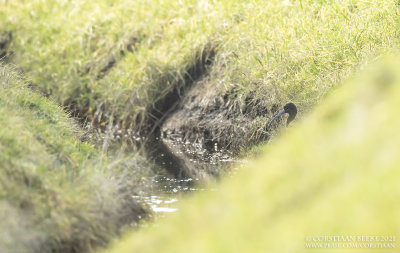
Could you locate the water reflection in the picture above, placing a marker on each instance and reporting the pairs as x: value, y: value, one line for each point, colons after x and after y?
x: 181, y: 166
x: 167, y: 192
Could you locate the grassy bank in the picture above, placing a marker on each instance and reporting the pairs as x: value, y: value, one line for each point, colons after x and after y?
x: 128, y: 62
x: 335, y: 173
x: 57, y: 194
x: 119, y: 59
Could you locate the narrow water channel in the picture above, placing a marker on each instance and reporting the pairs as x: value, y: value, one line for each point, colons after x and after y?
x: 185, y: 168
x: 181, y: 167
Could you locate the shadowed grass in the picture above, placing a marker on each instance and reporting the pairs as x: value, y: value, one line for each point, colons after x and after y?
x: 117, y: 59
x: 333, y: 174
x: 55, y: 193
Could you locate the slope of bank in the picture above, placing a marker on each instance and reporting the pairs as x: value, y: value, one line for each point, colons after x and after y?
x: 335, y: 174
x: 57, y: 194
x: 132, y: 61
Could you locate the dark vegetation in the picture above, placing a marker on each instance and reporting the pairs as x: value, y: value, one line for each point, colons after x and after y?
x: 5, y: 40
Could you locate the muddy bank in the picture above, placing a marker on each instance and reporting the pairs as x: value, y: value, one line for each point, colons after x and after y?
x: 184, y: 159
x: 210, y: 119
x: 200, y: 125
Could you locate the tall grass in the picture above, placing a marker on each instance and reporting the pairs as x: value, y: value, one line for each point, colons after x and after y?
x: 117, y: 59
x: 55, y: 195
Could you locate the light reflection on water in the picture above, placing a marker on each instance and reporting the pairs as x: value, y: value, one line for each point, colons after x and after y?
x: 165, y: 197
x: 168, y: 192
x: 184, y: 166
x: 161, y: 204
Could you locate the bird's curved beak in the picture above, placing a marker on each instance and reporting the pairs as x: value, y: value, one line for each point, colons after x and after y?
x: 274, y: 118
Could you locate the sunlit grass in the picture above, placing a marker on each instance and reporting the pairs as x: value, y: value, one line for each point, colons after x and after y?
x: 56, y: 192
x: 295, y: 50
x: 333, y: 174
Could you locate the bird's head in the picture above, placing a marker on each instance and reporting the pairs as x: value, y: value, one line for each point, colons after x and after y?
x: 290, y: 109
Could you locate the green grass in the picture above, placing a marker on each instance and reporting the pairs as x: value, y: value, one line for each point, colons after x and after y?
x: 117, y: 60
x: 335, y: 173
x: 282, y: 50
x: 56, y: 192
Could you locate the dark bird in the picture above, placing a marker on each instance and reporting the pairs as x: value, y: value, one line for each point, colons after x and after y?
x: 290, y: 109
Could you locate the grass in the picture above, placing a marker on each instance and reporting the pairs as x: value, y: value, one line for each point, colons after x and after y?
x: 117, y: 60
x: 335, y: 173
x: 56, y: 193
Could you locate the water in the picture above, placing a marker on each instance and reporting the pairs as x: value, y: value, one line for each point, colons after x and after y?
x: 183, y: 167
x: 169, y: 190
x: 165, y: 196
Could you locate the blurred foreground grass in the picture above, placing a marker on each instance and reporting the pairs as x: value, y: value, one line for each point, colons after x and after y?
x: 57, y: 194
x: 334, y: 173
